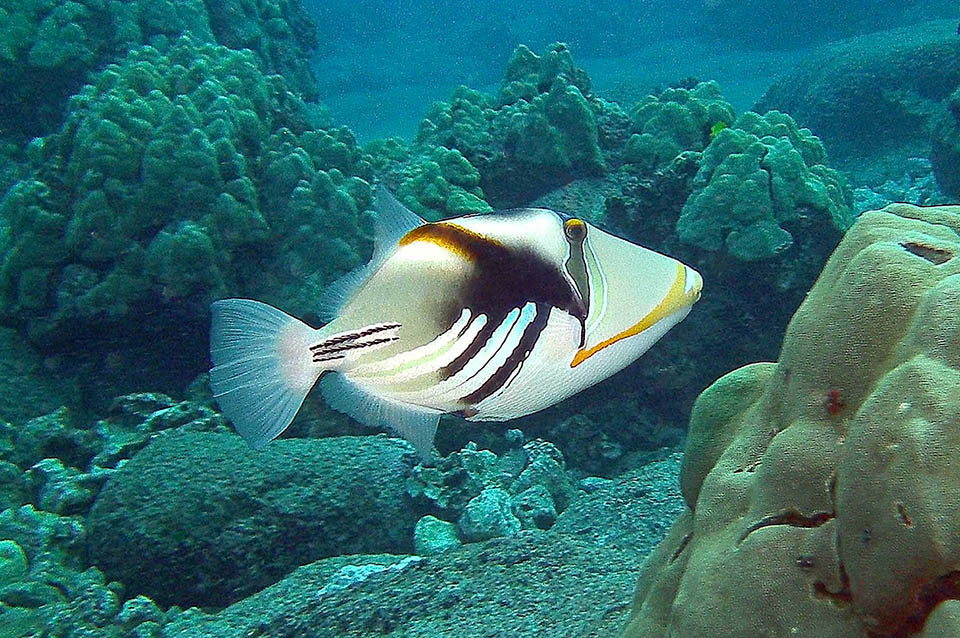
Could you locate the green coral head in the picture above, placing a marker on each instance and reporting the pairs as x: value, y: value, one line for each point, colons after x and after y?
x: 716, y: 128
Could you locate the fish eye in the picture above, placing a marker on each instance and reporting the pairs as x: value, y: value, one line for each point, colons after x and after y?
x: 575, y: 229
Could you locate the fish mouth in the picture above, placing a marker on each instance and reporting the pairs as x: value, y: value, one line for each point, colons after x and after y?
x: 684, y: 292
x: 693, y: 285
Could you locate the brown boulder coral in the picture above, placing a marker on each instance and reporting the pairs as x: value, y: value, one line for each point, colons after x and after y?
x: 824, y: 490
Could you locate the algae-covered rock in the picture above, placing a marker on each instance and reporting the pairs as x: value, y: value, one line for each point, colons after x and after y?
x: 533, y: 584
x: 636, y: 509
x: 201, y: 519
x: 496, y: 495
x: 819, y: 488
x: 540, y: 131
x: 434, y: 536
x: 488, y: 515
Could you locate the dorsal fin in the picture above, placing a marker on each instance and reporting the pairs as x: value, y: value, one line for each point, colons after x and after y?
x: 393, y: 221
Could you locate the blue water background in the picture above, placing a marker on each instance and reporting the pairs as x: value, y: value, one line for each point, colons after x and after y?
x: 381, y: 64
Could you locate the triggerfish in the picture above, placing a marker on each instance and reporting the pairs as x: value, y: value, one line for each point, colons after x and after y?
x: 489, y: 316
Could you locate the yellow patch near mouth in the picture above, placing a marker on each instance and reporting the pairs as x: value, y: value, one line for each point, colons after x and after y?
x: 676, y: 298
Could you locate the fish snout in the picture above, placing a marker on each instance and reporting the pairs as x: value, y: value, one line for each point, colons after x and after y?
x: 693, y: 284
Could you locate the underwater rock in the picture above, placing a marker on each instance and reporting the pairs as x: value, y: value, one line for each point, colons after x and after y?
x: 13, y: 563
x: 488, y: 515
x: 59, y: 465
x: 202, y: 519
x: 532, y: 585
x: 636, y: 509
x: 434, y: 536
x: 491, y: 495
x: 534, y: 508
x: 539, y: 132
x: 29, y: 386
x: 742, y: 23
x: 53, y: 435
x: 874, y: 92
x: 818, y: 486
x: 945, y: 145
x: 917, y: 185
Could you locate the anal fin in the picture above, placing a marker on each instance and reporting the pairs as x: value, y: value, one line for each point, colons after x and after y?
x: 415, y: 424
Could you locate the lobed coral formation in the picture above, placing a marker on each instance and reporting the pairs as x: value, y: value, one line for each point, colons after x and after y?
x: 47, y: 47
x: 179, y: 176
x: 674, y: 121
x: 821, y: 488
x: 538, y: 132
x: 757, y: 181
x: 432, y: 181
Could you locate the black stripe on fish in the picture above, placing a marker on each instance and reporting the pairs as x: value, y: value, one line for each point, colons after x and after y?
x: 515, y: 361
x: 325, y: 354
x: 495, y: 352
x: 480, y: 340
x: 353, y: 336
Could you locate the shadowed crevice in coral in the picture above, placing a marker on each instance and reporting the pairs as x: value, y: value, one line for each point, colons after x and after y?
x: 682, y: 546
x: 946, y: 587
x: 932, y: 254
x: 793, y: 518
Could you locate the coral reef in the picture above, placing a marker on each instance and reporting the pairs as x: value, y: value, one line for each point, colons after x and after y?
x: 179, y: 176
x: 47, y: 47
x: 756, y: 180
x: 537, y: 133
x: 821, y: 488
x: 873, y: 92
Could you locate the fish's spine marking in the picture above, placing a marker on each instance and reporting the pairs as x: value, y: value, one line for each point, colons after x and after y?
x: 353, y: 346
x: 510, y: 368
x: 353, y: 336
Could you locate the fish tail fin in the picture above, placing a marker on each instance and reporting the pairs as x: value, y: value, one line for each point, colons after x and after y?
x: 263, y: 366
